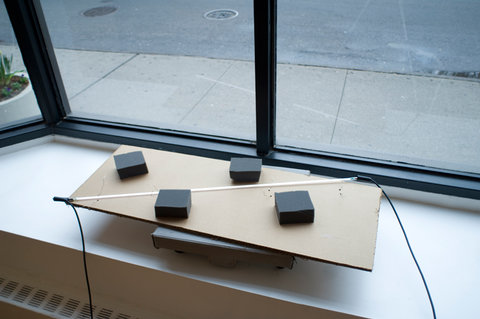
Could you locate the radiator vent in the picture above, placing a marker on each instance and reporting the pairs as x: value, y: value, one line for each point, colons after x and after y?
x: 52, y: 304
x: 70, y: 306
x: 38, y: 298
x: 23, y: 294
x: 8, y: 289
x: 85, y: 312
x: 105, y: 314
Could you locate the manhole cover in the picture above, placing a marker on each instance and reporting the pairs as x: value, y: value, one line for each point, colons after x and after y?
x: 221, y: 14
x: 99, y: 11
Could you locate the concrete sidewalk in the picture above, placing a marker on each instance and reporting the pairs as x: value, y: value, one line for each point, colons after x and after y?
x: 424, y: 120
x: 405, y: 118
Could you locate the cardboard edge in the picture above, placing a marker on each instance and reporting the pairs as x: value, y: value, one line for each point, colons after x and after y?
x: 122, y: 147
x: 230, y: 240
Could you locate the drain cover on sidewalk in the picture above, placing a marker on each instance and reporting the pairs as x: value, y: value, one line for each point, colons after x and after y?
x: 465, y: 74
x: 99, y: 11
x: 221, y: 14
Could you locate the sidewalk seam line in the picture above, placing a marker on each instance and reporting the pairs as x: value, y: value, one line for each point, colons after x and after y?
x: 105, y: 75
x: 205, y: 94
x: 339, y: 106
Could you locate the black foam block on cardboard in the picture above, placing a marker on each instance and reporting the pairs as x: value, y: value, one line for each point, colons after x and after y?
x: 245, y: 169
x: 294, y: 207
x: 173, y: 203
x: 130, y: 164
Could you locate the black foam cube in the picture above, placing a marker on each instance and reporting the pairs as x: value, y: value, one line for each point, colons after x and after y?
x: 130, y: 164
x: 294, y: 207
x: 245, y: 169
x: 173, y: 203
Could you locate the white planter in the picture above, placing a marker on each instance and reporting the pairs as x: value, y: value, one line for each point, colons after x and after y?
x: 19, y: 107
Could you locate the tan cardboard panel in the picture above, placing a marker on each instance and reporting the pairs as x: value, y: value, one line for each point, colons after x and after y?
x: 346, y: 214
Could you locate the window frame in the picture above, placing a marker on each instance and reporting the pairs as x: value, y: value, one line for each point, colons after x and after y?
x: 34, y: 41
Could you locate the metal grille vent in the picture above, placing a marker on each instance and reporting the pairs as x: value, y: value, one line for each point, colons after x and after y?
x: 23, y: 294
x: 70, y: 306
x: 52, y: 304
x: 85, y: 312
x: 105, y: 314
x: 38, y: 298
x: 8, y: 289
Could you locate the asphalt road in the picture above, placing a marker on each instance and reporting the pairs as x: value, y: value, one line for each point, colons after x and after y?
x: 405, y: 36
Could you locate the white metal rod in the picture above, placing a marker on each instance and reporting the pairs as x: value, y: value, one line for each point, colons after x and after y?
x: 113, y: 196
x: 313, y: 182
x: 223, y: 188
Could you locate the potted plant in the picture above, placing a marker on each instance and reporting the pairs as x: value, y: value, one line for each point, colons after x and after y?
x: 17, y: 100
x: 10, y: 83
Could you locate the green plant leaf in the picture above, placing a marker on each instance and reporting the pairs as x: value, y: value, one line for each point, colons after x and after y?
x: 5, y: 69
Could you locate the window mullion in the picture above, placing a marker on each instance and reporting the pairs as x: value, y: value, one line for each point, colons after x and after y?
x: 34, y: 42
x: 265, y: 73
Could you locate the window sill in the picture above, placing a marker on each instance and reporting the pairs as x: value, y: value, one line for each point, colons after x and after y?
x: 58, y: 165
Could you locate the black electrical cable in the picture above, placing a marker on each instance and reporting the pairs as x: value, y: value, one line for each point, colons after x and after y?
x: 359, y: 177
x: 67, y: 202
x: 369, y: 179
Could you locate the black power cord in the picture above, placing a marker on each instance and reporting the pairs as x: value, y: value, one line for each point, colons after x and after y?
x: 369, y: 179
x: 67, y: 202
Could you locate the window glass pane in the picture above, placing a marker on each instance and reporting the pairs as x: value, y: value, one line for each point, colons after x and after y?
x: 395, y: 80
x: 18, y: 103
x: 182, y: 65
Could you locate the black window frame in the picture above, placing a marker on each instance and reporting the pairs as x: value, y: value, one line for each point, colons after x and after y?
x: 32, y: 35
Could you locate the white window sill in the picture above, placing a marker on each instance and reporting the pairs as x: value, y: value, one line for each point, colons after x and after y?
x: 444, y: 237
